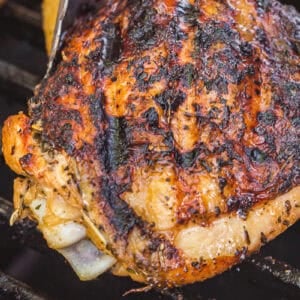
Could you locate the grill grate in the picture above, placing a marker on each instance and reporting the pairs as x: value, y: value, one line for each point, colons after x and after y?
x: 24, y: 256
x: 11, y: 288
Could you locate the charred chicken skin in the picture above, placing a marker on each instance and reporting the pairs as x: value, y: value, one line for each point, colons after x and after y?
x: 167, y: 138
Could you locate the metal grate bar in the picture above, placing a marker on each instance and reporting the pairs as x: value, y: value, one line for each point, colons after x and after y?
x: 281, y: 270
x: 12, y: 288
x: 18, y: 76
x: 24, y: 14
x: 6, y: 209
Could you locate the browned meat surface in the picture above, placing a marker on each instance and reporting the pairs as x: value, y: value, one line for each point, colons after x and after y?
x: 168, y: 136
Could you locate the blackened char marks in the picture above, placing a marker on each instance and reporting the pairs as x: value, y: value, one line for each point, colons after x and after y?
x: 99, y: 121
x: 241, y: 203
x: 219, y: 84
x: 116, y: 142
x: 58, y: 126
x: 190, y: 13
x: 186, y: 74
x: 142, y: 28
x: 108, y: 52
x: 26, y: 160
x: 112, y: 42
x: 175, y: 33
x: 256, y: 155
x: 110, y: 47
x: 213, y: 32
x: 289, y: 149
x: 65, y: 138
x: 57, y: 113
x: 96, y: 109
x: 262, y: 6
x: 112, y: 138
x: 123, y: 217
x: 262, y: 38
x: 35, y: 105
x: 137, y: 65
x: 152, y: 117
x: 186, y: 159
x: 189, y: 75
x: 170, y: 100
x: 291, y: 95
x: 268, y: 117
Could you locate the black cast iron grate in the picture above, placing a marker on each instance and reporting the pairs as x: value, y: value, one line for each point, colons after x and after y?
x: 28, y: 266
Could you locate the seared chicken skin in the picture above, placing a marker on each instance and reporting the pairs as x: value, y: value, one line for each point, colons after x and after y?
x: 167, y: 137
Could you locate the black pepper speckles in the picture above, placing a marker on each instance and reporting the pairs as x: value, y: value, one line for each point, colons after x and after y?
x: 65, y: 138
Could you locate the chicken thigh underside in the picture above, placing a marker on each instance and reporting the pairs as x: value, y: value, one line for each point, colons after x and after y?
x: 167, y: 137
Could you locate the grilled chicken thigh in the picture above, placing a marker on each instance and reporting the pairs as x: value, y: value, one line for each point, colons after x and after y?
x: 165, y: 145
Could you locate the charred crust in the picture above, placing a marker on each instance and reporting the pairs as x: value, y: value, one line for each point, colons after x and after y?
x: 268, y: 117
x: 222, y: 183
x: 142, y: 28
x: 152, y: 117
x: 123, y: 217
x: 244, y: 158
x: 111, y: 46
x: 170, y: 100
x: 212, y: 33
x: 198, y: 264
x: 256, y: 155
x: 116, y: 143
x: 262, y: 6
x: 190, y: 13
x: 262, y: 38
x: 65, y: 138
x: 186, y: 159
x: 241, y: 203
x: 174, y: 33
x: 26, y: 160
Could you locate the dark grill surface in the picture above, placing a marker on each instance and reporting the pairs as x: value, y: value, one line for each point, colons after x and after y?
x: 24, y: 255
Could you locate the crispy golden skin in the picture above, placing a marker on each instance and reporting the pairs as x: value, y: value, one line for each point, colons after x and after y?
x: 173, y: 129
